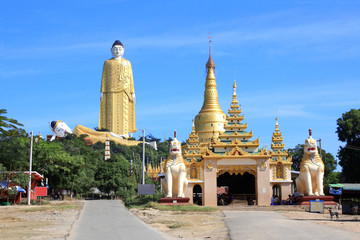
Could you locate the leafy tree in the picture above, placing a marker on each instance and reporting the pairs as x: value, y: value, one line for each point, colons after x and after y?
x: 328, y: 159
x: 114, y: 175
x: 2, y: 168
x: 7, y: 124
x: 21, y: 179
x: 348, y: 131
x: 101, y: 129
x: 14, y: 153
x: 151, y: 138
x: 297, y: 153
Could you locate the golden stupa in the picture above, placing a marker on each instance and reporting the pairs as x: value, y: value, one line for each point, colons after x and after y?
x: 211, y: 119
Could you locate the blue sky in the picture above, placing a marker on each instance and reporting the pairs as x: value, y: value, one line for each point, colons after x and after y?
x: 295, y: 60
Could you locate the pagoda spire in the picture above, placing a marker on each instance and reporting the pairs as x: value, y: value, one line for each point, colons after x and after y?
x: 211, y: 103
x: 277, y: 138
x: 211, y: 117
x: 234, y: 101
x: 277, y: 126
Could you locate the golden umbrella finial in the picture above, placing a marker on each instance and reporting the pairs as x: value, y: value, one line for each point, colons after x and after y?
x: 210, y: 63
x: 209, y: 37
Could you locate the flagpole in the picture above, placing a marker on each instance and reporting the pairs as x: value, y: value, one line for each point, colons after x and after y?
x: 143, y: 159
x: 29, y: 187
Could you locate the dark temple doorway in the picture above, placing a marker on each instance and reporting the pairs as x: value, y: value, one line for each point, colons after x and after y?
x: 239, y: 186
x: 197, y: 194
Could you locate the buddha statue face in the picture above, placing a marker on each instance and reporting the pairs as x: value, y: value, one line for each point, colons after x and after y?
x: 117, y: 51
x: 60, y: 128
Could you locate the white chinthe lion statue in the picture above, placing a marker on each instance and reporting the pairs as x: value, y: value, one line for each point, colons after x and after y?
x: 175, y: 171
x: 310, y: 180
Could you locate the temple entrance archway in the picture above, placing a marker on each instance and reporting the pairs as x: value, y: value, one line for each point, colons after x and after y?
x: 240, y: 186
x: 197, y: 194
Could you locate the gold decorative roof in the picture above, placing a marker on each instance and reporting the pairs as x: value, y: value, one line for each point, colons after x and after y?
x: 191, y: 149
x: 235, y: 118
x: 237, y: 126
x: 236, y: 135
x: 237, y: 143
x: 278, y: 154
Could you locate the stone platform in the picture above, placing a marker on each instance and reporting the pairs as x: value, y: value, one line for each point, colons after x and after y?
x: 174, y: 201
x: 305, y: 200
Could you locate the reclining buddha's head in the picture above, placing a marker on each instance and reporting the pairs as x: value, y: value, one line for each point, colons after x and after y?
x: 310, y: 145
x: 60, y: 128
x: 175, y: 146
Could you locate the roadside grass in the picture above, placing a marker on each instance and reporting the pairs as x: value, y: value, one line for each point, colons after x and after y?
x: 55, y: 207
x: 142, y: 203
x: 174, y: 226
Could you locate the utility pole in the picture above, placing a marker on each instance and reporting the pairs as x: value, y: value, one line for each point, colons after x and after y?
x: 320, y: 147
x: 29, y: 187
x: 143, y: 159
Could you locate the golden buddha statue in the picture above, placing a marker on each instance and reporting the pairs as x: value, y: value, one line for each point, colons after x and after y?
x: 117, y: 99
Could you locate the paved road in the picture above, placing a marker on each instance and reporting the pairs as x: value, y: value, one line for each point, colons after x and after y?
x: 108, y: 219
x: 271, y: 225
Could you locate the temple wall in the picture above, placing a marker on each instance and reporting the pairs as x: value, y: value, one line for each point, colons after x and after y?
x: 189, y: 192
x: 210, y: 187
x: 263, y: 188
x: 285, y: 190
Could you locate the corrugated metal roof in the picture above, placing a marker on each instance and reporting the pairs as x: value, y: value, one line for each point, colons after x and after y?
x: 347, y: 186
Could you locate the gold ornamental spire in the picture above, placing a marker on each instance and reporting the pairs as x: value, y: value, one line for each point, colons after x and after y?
x: 211, y: 117
x: 234, y: 101
x: 277, y: 138
x: 210, y: 63
x: 211, y: 103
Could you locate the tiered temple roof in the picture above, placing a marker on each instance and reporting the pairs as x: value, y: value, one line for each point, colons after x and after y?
x: 278, y: 153
x: 235, y: 140
x: 192, y: 149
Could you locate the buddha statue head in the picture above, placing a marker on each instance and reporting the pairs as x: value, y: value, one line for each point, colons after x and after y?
x: 117, y: 49
x: 60, y: 128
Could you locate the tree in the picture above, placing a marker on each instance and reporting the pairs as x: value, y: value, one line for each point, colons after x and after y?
x: 328, y: 159
x: 14, y: 153
x: 114, y: 175
x: 348, y: 131
x: 297, y: 153
x: 7, y: 124
x: 21, y: 179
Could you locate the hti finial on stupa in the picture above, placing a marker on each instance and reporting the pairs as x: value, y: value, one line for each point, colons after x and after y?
x: 234, y: 101
x: 210, y: 63
x: 277, y: 125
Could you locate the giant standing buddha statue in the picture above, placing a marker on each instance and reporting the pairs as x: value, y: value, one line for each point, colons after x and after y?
x: 117, y: 98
